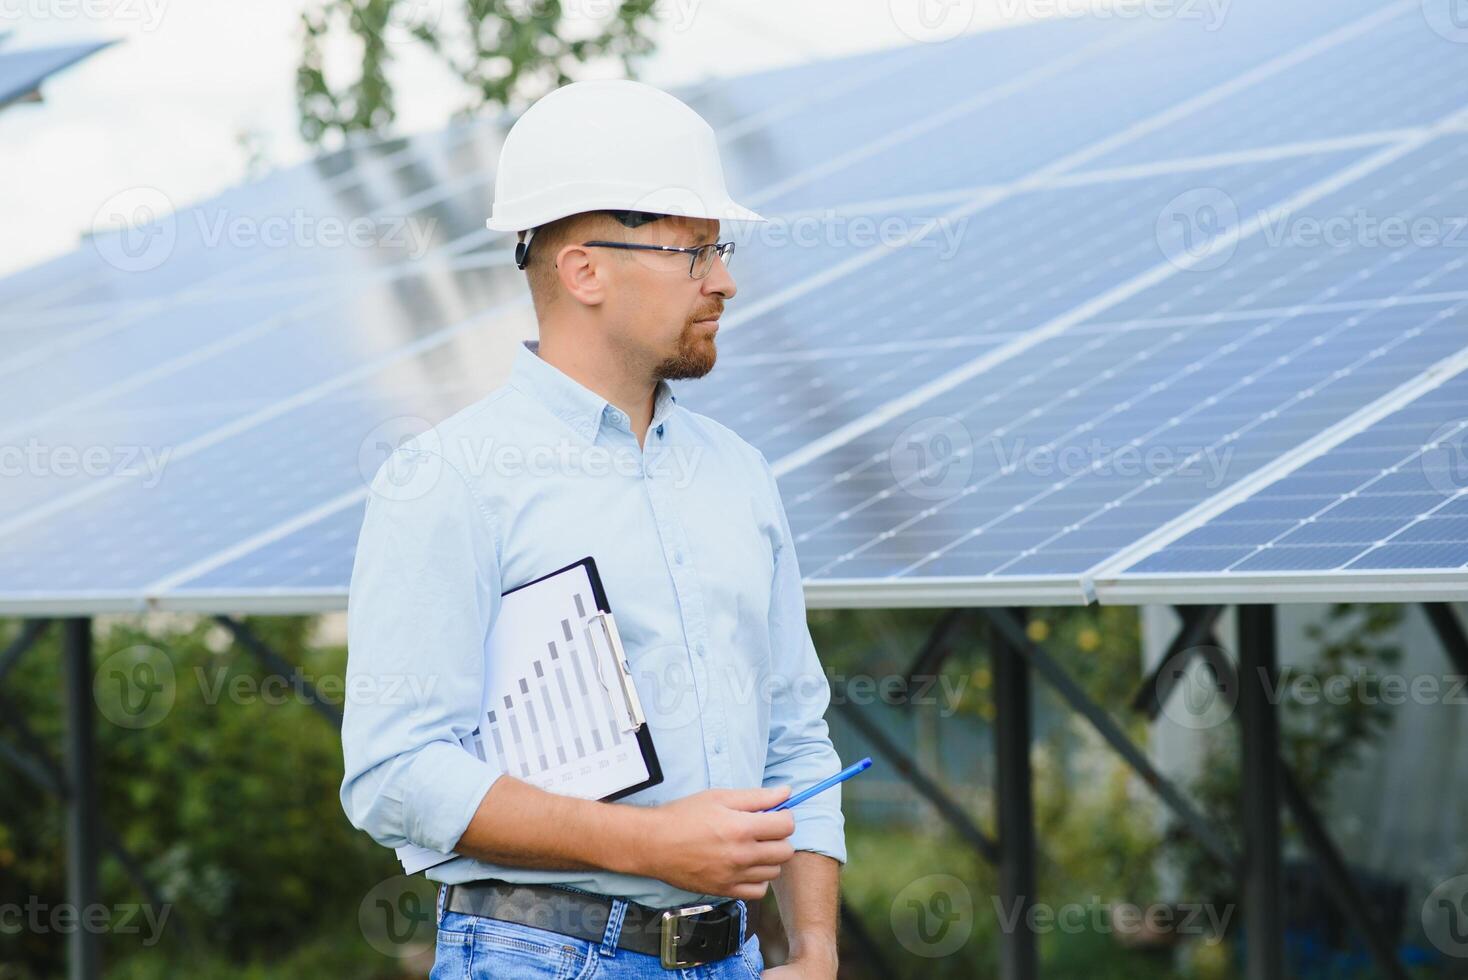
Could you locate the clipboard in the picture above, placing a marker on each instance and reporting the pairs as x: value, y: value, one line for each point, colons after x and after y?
x: 568, y: 719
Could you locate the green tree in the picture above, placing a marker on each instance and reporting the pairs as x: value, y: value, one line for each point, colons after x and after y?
x: 503, y: 52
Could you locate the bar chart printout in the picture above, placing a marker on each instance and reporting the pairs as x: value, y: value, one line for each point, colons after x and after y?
x: 560, y: 709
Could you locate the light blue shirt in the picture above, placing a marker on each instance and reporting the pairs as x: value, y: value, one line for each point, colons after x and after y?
x: 694, y: 549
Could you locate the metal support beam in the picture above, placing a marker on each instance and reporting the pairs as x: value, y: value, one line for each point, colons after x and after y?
x: 1196, y: 630
x: 1339, y: 882
x: 930, y: 790
x: 1263, y: 877
x: 84, y: 953
x: 278, y: 665
x: 1018, y: 950
x: 29, y: 634
x: 935, y: 649
x: 32, y: 760
x: 1449, y: 630
x: 1341, y: 886
x: 1055, y: 675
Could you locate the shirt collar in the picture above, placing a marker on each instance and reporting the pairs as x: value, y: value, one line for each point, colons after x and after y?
x: 571, y: 401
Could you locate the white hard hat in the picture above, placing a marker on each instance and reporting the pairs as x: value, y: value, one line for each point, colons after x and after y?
x: 609, y: 145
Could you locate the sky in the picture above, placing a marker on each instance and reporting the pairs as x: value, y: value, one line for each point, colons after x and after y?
x: 167, y: 108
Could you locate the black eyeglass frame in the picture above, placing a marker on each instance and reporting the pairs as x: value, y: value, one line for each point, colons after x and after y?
x: 725, y: 250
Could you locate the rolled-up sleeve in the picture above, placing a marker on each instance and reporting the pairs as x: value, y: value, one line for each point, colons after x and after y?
x: 425, y: 589
x: 800, y: 752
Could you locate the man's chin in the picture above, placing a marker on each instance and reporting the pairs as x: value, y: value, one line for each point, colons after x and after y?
x: 693, y: 361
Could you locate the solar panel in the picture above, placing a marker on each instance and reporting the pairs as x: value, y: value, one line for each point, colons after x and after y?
x: 1390, y: 497
x: 22, y: 72
x: 1097, y: 304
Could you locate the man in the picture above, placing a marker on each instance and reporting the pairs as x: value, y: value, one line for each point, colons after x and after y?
x: 615, y: 190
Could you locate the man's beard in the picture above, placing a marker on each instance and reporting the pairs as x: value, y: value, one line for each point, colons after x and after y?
x: 694, y: 358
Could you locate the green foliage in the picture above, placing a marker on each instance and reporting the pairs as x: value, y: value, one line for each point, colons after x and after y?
x: 501, y: 51
x: 229, y: 804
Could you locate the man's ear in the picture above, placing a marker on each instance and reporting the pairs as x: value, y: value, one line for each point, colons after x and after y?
x: 582, y: 274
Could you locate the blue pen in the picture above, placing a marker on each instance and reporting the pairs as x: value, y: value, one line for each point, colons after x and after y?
x: 824, y: 784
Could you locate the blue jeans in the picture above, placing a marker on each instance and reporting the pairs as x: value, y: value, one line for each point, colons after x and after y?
x: 472, y: 947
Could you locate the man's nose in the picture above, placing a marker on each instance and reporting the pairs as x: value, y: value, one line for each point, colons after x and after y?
x: 719, y: 280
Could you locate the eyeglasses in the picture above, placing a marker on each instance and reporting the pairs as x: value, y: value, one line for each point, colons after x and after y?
x: 701, y: 257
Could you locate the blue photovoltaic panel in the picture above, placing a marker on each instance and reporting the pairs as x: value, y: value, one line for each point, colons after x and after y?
x: 22, y: 72
x: 1090, y: 342
x: 1088, y: 443
x: 1048, y: 105
x: 1400, y: 232
x: 996, y: 273
x: 1400, y: 73
x: 1393, y: 496
x: 316, y: 557
x: 1245, y: 389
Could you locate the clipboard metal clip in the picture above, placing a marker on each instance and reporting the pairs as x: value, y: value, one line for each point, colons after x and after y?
x: 613, y: 640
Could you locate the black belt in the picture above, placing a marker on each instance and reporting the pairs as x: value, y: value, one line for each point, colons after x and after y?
x: 683, y: 936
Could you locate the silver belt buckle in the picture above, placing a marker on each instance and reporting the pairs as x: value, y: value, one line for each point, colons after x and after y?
x: 670, y: 922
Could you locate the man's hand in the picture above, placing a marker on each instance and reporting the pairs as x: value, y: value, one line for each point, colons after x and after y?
x: 717, y: 843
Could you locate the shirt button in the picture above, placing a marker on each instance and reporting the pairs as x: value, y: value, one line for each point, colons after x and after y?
x: 677, y: 558
x: 660, y: 431
x: 698, y: 649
